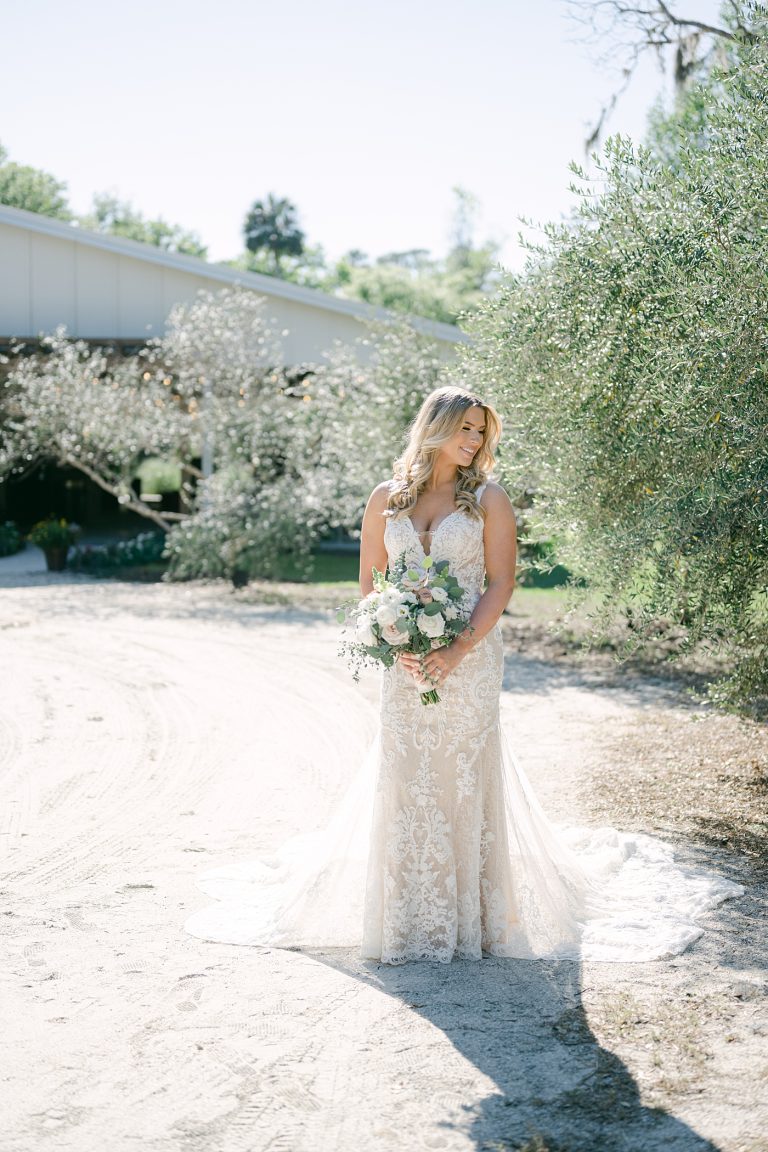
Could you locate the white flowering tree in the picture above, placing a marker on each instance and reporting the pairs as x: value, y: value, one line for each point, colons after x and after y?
x: 70, y: 403
x: 271, y: 458
x: 212, y: 397
x: 374, y: 392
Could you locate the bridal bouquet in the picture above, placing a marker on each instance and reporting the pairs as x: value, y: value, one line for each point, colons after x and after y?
x: 416, y: 609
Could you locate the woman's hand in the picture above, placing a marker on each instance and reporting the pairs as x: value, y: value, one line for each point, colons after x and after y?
x: 436, y: 665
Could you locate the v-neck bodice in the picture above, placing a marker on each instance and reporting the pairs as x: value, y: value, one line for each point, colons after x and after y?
x: 457, y: 538
x: 431, y: 531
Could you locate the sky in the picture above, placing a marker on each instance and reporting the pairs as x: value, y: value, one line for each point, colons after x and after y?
x: 364, y: 114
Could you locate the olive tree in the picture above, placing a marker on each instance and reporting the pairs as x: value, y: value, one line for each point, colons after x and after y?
x: 632, y: 357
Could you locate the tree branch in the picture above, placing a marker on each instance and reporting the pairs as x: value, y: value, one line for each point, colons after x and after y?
x: 163, y: 520
x: 680, y: 23
x: 655, y: 26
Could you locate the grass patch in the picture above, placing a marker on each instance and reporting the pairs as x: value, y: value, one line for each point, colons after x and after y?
x: 667, y: 1038
x: 332, y: 584
x: 327, y: 568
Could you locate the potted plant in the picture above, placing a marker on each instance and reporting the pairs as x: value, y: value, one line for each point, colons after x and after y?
x: 55, y: 538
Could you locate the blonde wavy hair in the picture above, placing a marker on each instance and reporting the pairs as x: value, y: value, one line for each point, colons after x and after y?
x: 438, y: 420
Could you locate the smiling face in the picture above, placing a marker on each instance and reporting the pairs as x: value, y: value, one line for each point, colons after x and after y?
x: 466, y: 441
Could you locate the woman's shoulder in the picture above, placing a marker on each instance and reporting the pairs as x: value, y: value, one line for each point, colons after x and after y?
x: 499, y: 512
x: 492, y: 495
x: 377, y: 500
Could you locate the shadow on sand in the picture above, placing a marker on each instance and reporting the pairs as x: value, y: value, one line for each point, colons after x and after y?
x: 521, y: 1024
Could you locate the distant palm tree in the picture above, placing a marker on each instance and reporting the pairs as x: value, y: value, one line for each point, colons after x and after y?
x: 271, y: 225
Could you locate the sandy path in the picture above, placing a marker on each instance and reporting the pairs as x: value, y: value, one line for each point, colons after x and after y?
x: 149, y: 732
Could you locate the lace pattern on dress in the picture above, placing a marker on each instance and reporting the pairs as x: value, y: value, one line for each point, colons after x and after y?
x: 460, y: 857
x: 436, y: 884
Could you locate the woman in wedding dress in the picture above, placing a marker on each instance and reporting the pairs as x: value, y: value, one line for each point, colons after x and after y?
x: 439, y: 881
x: 440, y: 849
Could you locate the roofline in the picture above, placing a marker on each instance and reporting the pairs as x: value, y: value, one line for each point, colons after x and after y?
x: 266, y: 285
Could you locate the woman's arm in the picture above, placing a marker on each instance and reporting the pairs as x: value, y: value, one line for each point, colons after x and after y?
x: 500, y: 543
x: 373, y: 554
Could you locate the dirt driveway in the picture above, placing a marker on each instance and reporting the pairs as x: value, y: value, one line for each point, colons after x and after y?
x: 149, y: 732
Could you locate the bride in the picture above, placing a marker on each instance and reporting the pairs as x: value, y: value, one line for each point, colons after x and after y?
x: 440, y: 849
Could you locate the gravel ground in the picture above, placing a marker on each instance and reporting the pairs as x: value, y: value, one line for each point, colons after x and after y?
x: 149, y: 732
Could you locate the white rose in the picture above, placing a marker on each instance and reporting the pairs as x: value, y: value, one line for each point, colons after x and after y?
x: 364, y: 633
x: 368, y: 606
x: 440, y: 595
x: 386, y: 613
x: 430, y: 625
x: 393, y: 635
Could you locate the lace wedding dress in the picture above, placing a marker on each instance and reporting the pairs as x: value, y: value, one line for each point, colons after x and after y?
x: 441, y: 850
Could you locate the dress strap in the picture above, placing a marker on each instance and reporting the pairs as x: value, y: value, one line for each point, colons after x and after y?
x: 479, y: 491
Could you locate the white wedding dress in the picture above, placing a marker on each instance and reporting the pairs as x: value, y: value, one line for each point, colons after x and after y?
x: 441, y: 850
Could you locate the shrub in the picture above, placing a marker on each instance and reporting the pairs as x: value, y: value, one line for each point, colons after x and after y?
x: 11, y: 539
x: 145, y: 549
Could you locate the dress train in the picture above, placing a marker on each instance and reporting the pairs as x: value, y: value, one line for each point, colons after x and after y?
x: 580, y: 893
x: 441, y: 849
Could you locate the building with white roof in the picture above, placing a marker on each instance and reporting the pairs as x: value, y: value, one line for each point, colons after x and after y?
x: 117, y: 292
x: 108, y: 289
